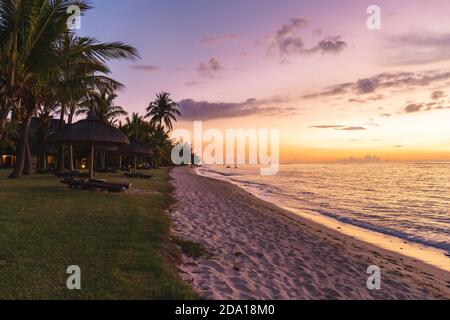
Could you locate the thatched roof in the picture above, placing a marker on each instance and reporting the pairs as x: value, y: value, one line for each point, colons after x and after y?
x: 45, y: 148
x: 107, y: 147
x: 90, y: 130
x: 136, y: 147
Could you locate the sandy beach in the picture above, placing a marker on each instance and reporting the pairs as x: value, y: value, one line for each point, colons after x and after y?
x: 262, y: 252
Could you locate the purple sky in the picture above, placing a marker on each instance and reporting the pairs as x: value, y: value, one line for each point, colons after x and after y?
x: 310, y: 68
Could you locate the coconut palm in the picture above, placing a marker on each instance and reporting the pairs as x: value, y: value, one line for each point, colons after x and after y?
x: 102, y: 102
x: 82, y: 73
x: 163, y: 110
x: 136, y: 128
x: 161, y: 144
x: 27, y: 31
x: 34, y: 56
x: 150, y: 133
x: 44, y: 119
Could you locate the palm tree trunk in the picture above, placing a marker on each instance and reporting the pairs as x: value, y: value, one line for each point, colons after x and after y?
x: 91, y: 161
x: 61, y: 166
x: 28, y: 165
x: 44, y: 162
x: 21, y: 148
x: 71, y: 166
x: 135, y: 164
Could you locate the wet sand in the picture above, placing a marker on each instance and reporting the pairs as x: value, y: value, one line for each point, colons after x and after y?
x: 263, y: 252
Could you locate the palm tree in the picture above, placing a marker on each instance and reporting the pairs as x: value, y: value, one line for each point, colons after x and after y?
x: 163, y: 110
x: 102, y: 102
x: 83, y: 70
x: 161, y: 144
x: 155, y: 135
x: 35, y: 55
x: 136, y: 128
x: 27, y: 30
x: 44, y: 117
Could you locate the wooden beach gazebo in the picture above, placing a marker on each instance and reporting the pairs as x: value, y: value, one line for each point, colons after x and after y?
x: 93, y: 133
x: 136, y: 148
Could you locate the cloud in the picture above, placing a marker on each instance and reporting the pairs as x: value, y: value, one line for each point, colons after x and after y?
x: 422, y: 48
x: 205, y: 110
x: 209, y: 39
x: 366, y: 159
x: 290, y: 46
x: 365, y: 86
x: 398, y: 146
x: 414, y: 107
x: 330, y: 45
x: 364, y: 100
x: 436, y: 95
x: 286, y: 41
x: 386, y: 115
x: 338, y: 127
x: 210, y: 69
x: 327, y: 126
x: 417, y: 107
x: 384, y: 81
x: 331, y: 91
x: 352, y: 128
x: 148, y: 68
x: 293, y: 25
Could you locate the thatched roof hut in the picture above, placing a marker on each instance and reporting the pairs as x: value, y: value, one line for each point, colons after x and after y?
x: 92, y: 132
x: 136, y: 148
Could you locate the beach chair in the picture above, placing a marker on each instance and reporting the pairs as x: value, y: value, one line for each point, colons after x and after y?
x: 74, y: 183
x: 96, y: 185
x: 138, y: 176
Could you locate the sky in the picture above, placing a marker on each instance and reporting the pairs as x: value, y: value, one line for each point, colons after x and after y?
x: 312, y: 69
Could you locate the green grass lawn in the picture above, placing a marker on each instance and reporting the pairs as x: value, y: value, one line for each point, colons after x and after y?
x: 120, y: 241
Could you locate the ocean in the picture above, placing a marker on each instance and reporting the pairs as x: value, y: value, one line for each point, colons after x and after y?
x: 410, y: 201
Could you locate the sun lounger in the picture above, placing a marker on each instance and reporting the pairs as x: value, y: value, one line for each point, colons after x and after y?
x: 109, y: 170
x: 74, y: 183
x: 104, y: 186
x: 138, y: 176
x: 96, y: 185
